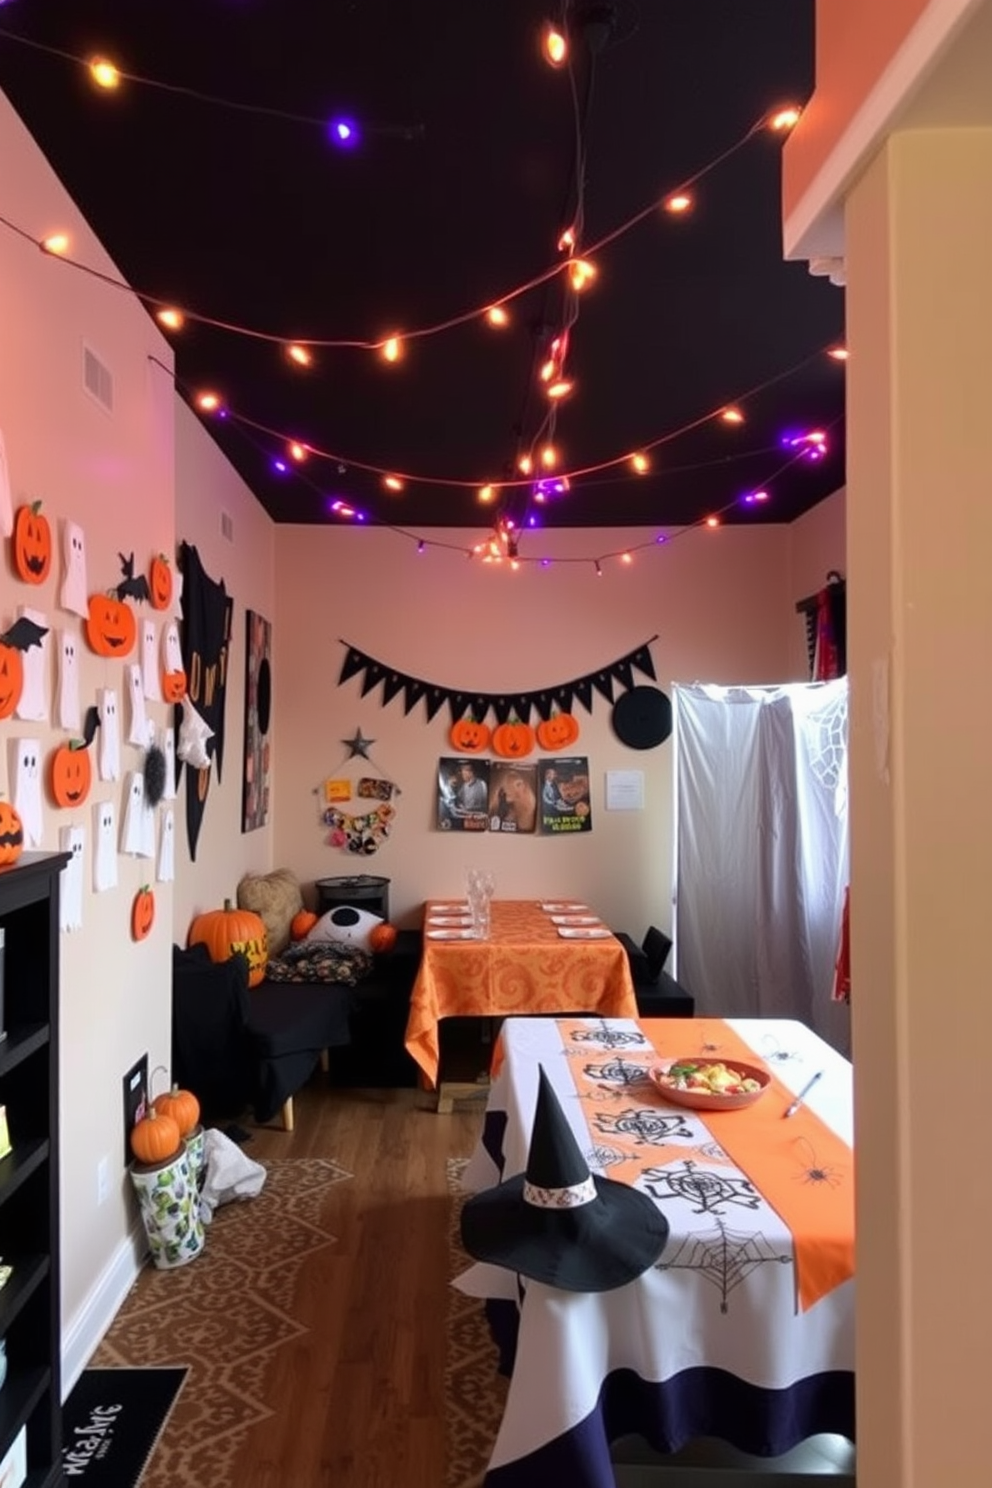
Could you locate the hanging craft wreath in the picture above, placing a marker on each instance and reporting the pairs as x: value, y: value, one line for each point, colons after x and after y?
x: 365, y: 831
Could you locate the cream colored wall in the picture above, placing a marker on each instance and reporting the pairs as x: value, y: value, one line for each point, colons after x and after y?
x: 719, y: 603
x: 817, y: 544
x: 206, y: 486
x: 113, y: 474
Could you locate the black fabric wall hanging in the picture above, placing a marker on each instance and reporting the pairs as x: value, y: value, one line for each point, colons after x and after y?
x: 562, y: 696
x: 207, y: 610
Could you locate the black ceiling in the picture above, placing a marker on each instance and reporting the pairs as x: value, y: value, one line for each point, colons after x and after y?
x: 456, y: 194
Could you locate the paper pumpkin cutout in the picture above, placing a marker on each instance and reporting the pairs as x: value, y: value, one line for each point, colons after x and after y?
x: 111, y: 629
x: 142, y: 913
x: 32, y: 542
x: 11, y: 834
x: 71, y: 768
x: 173, y: 671
x: 469, y: 737
x: 160, y: 583
x: 13, y: 642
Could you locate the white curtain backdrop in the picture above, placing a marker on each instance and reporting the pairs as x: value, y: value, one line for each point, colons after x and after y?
x: 762, y: 850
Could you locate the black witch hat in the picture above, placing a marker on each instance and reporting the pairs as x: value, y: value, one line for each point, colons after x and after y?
x: 556, y: 1222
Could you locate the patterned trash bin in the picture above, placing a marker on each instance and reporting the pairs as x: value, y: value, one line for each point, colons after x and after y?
x: 167, y: 1197
x: 196, y: 1156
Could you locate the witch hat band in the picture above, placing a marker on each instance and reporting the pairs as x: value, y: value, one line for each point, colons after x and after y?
x: 559, y: 1224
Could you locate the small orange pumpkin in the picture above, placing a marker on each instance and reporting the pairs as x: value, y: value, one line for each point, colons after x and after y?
x: 160, y: 583
x: 469, y: 737
x: 181, y: 1105
x: 11, y: 679
x: 110, y: 626
x: 155, y: 1138
x: 231, y: 932
x: 142, y: 913
x: 512, y: 740
x: 559, y: 731
x: 71, y: 774
x: 173, y: 686
x: 32, y: 544
x: 11, y: 834
x: 302, y: 923
x: 382, y: 937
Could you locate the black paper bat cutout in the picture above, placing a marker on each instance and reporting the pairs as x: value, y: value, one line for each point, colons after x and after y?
x: 131, y: 587
x: 91, y: 725
x: 24, y: 634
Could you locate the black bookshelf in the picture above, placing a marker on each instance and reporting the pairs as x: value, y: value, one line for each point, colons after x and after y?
x: 30, y: 1322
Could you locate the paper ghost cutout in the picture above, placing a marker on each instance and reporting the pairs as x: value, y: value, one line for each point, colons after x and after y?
x: 138, y: 729
x: 167, y: 848
x: 27, y: 789
x: 110, y: 734
x: 32, y: 705
x: 138, y: 828
x: 70, y: 717
x: 105, y: 847
x: 74, y: 593
x: 73, y: 841
x: 169, y: 750
x: 6, y: 496
x: 193, y: 736
x: 149, y: 661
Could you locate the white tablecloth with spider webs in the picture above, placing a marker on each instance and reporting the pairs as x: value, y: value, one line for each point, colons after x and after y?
x: 710, y: 1341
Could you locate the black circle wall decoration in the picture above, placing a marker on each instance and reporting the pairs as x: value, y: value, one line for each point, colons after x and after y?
x: 642, y: 717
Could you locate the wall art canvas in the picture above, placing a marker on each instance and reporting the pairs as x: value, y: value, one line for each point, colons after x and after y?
x: 258, y: 711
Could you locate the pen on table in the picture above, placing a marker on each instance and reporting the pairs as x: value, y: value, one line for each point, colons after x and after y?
x: 791, y: 1109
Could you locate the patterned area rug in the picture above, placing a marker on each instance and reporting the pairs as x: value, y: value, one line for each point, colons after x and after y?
x: 226, y: 1315
x: 474, y: 1393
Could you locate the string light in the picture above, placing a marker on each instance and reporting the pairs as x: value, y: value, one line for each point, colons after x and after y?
x: 525, y: 464
x: 599, y: 568
x: 554, y: 46
x: 392, y: 349
x: 297, y: 451
x: 104, y: 73
x: 487, y: 494
x: 731, y: 415
x: 839, y: 353
x: 343, y: 133
x: 560, y: 389
x: 640, y: 463
x: 567, y: 240
x: 392, y: 483
x: 172, y: 319
x: 681, y: 202
x: 208, y: 402
x: 497, y: 316
x: 712, y: 521
x: 301, y: 356
x: 785, y: 118
x: 56, y: 244
x: 581, y: 272
x: 549, y: 457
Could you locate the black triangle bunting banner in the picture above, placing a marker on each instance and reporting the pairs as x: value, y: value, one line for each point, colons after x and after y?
x: 502, y: 706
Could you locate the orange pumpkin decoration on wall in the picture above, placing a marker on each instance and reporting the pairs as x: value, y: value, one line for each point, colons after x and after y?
x: 469, y: 737
x: 160, y: 583
x: 512, y: 740
x: 32, y: 544
x: 231, y: 932
x: 71, y: 774
x: 11, y: 834
x: 111, y: 629
x: 11, y: 678
x: 142, y: 914
x: 560, y: 731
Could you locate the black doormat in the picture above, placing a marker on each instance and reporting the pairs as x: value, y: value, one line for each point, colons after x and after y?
x: 111, y: 1422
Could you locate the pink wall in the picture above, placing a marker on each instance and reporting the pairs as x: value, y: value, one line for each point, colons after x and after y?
x: 855, y: 41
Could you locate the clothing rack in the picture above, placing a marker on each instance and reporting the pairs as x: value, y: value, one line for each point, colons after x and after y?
x: 829, y: 607
x: 808, y: 606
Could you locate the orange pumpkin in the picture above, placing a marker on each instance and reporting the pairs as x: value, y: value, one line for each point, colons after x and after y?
x: 469, y: 737
x: 160, y: 583
x: 302, y: 923
x: 382, y: 937
x: 11, y: 679
x: 155, y: 1138
x: 231, y: 932
x: 71, y: 774
x: 513, y: 740
x: 181, y: 1105
x: 559, y: 731
x: 110, y: 626
x: 142, y: 913
x: 173, y: 686
x: 32, y: 544
x: 11, y: 834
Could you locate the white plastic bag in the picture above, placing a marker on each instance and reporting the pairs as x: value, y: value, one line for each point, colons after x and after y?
x: 229, y: 1174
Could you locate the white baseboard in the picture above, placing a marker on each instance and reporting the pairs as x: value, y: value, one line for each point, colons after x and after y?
x: 92, y: 1320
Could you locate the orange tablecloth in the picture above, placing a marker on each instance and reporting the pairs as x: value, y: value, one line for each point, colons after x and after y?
x: 525, y: 966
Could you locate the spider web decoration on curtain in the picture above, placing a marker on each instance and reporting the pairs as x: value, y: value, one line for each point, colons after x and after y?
x: 503, y: 706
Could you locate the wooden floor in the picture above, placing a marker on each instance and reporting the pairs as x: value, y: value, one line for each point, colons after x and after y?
x: 358, y: 1401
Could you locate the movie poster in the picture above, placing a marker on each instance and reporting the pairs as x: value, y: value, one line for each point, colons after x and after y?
x: 463, y: 795
x: 564, y: 795
x: 512, y: 797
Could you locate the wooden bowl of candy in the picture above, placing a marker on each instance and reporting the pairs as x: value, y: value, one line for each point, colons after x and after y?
x: 705, y: 1084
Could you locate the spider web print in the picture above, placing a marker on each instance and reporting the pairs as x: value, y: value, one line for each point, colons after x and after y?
x: 608, y: 1038
x: 707, y: 1190
x: 618, y: 1072
x: 647, y: 1127
x: 606, y: 1157
x: 827, y: 743
x: 724, y: 1258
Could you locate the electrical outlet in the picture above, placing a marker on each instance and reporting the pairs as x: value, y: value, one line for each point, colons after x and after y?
x: 103, y: 1180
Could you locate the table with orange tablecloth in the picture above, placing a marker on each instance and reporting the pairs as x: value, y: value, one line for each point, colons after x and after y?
x: 523, y: 967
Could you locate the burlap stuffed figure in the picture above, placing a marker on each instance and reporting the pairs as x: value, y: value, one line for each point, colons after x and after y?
x: 277, y: 898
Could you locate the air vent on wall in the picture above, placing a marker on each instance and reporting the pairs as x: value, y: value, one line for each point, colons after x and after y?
x: 98, y: 379
x: 227, y: 526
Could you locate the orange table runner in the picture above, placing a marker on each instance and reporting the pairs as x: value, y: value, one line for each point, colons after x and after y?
x: 524, y: 967
x: 802, y: 1169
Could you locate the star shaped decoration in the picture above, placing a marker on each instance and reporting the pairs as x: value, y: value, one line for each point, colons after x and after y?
x: 358, y: 745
